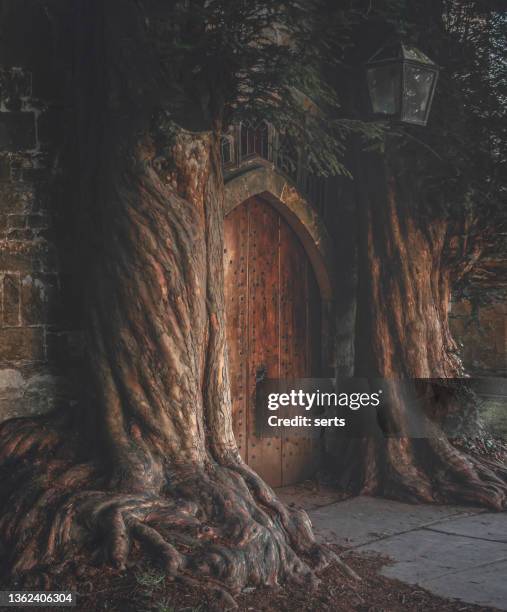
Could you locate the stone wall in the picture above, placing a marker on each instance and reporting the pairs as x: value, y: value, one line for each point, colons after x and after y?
x: 481, y: 333
x: 37, y: 336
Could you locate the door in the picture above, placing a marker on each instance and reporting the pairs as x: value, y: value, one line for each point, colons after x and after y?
x: 273, y: 321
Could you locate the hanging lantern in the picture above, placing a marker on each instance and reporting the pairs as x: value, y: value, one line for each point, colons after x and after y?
x: 401, y: 83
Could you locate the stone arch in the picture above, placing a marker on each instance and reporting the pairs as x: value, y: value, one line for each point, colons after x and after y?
x: 264, y: 182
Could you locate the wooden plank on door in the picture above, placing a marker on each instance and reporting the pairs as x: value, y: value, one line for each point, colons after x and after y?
x: 236, y: 307
x: 296, y: 450
x: 314, y: 324
x: 264, y: 454
x: 313, y: 354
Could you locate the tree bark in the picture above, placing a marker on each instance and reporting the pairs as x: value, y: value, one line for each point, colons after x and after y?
x: 406, y: 274
x: 152, y: 461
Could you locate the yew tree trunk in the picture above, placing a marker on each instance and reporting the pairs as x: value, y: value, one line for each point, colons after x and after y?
x: 152, y: 462
x: 408, y: 261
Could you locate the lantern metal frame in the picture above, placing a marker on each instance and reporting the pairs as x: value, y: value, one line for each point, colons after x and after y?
x: 403, y: 58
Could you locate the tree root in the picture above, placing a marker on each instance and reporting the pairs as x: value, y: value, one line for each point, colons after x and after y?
x: 427, y: 470
x: 218, y: 524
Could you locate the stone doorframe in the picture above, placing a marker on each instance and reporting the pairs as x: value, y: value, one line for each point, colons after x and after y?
x: 264, y: 182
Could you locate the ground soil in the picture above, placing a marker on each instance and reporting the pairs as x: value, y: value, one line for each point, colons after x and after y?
x: 144, y: 588
x: 489, y: 447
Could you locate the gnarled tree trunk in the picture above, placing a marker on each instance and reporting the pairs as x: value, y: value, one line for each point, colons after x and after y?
x: 406, y: 275
x: 153, y: 461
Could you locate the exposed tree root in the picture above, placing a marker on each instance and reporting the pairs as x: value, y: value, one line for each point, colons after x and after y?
x: 220, y: 525
x: 423, y: 470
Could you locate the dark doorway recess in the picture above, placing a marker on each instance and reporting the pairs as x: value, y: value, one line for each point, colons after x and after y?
x: 273, y: 325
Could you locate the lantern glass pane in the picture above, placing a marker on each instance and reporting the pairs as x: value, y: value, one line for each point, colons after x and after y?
x: 417, y: 87
x: 384, y: 85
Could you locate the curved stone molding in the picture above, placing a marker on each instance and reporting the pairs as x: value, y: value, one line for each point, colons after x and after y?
x: 264, y: 182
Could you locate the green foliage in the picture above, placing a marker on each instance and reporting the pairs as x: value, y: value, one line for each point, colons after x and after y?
x: 150, y: 578
x: 166, y: 605
x: 263, y: 60
x: 299, y: 65
x: 458, y: 163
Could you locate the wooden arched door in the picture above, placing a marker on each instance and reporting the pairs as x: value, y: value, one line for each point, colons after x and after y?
x: 273, y: 321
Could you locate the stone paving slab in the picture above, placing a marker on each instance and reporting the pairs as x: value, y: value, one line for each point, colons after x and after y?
x: 424, y: 555
x: 485, y: 586
x: 483, y: 526
x: 456, y: 552
x: 359, y: 520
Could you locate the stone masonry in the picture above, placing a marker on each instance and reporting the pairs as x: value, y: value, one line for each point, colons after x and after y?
x: 37, y: 339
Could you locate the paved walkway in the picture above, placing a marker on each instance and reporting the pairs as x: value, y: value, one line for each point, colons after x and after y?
x: 452, y: 551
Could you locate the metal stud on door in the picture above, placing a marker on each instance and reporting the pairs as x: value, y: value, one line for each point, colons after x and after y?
x: 273, y: 329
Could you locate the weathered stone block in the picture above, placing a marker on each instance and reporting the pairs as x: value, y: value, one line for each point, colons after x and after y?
x: 49, y: 234
x: 28, y: 256
x: 35, y: 175
x: 11, y: 300
x: 17, y: 131
x: 14, y: 199
x: 15, y: 258
x: 11, y: 383
x: 5, y: 168
x: 21, y: 344
x: 16, y: 221
x: 39, y: 299
x: 10, y: 409
x: 16, y: 171
x: 15, y: 84
x: 21, y: 234
x: 48, y: 260
x: 42, y: 389
x: 33, y: 389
